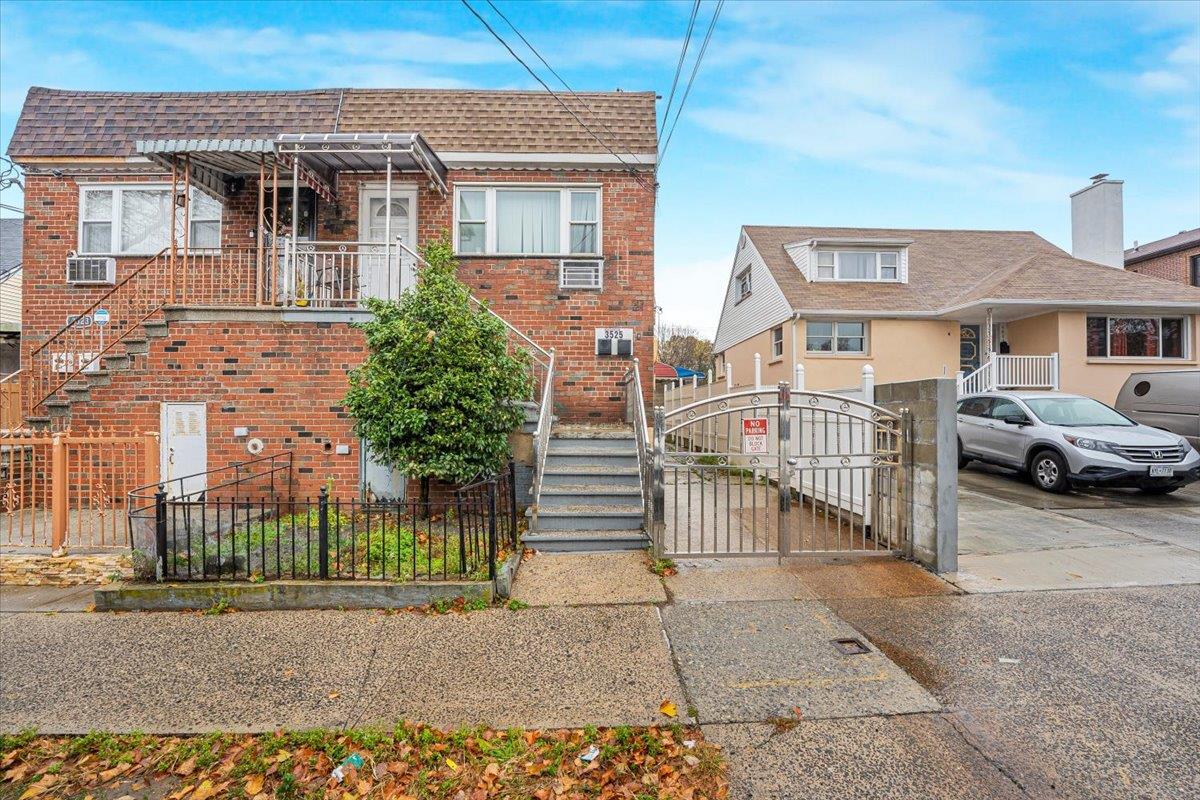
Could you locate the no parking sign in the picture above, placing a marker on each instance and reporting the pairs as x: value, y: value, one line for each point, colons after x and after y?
x: 754, y: 436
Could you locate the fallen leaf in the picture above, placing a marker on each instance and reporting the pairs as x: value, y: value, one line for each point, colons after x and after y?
x: 204, y: 791
x: 450, y: 762
x: 108, y: 774
x: 254, y: 784
x: 334, y: 695
x: 187, y: 767
x: 668, y: 708
x: 43, y: 785
x: 691, y: 760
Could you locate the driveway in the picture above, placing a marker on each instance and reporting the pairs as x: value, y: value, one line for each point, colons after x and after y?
x: 1014, y: 537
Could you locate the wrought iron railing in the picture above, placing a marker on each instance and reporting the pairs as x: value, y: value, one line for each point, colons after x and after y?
x: 635, y: 414
x: 541, y: 437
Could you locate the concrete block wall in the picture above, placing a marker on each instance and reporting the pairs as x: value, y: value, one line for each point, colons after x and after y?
x: 932, y: 481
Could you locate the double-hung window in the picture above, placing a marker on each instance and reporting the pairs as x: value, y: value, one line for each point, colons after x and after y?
x: 858, y: 265
x: 836, y: 337
x: 744, y: 286
x: 136, y: 220
x: 527, y: 220
x: 777, y: 342
x: 1137, y: 337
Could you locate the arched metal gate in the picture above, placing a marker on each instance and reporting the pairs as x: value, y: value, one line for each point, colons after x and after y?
x: 768, y: 472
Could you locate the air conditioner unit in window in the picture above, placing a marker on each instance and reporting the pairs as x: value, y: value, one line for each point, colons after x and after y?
x: 91, y: 269
x: 577, y: 274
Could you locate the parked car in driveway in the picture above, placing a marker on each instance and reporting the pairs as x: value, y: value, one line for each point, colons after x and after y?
x: 1167, y: 399
x: 1064, y: 439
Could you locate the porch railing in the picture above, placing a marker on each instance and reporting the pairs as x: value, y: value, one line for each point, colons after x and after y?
x: 635, y: 414
x: 1004, y: 371
x: 541, y: 444
x: 10, y: 401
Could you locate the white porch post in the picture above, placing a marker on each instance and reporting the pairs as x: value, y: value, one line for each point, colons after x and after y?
x: 728, y: 377
x: 987, y: 333
x: 291, y: 273
x: 387, y: 226
x: 1054, y: 377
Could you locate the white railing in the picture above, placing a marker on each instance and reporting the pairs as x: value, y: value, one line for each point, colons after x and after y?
x: 541, y: 437
x: 337, y: 274
x: 1011, y: 372
x: 635, y: 414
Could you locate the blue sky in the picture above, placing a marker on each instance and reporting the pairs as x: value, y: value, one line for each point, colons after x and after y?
x: 964, y: 115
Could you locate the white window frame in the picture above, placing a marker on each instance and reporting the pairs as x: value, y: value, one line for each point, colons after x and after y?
x: 598, y: 263
x: 1185, y: 334
x: 564, y: 218
x: 118, y: 189
x: 744, y: 284
x: 866, y: 337
x: 837, y: 265
x: 776, y: 342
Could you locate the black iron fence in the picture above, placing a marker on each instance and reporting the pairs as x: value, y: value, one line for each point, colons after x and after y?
x: 453, y: 534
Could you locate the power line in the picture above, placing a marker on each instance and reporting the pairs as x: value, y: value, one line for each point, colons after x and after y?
x: 560, y: 78
x: 679, y: 66
x: 561, y: 102
x: 691, y: 79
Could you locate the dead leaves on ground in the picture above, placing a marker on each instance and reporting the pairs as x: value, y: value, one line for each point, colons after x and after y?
x: 670, y: 763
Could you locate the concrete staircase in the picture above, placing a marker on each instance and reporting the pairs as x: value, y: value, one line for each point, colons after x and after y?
x: 591, y: 495
x: 122, y: 358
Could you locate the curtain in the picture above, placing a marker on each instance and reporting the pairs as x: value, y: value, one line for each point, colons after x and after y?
x: 527, y: 222
x: 1134, y: 336
x: 856, y: 265
x: 145, y: 221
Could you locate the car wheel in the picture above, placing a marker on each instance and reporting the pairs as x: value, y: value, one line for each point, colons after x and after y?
x: 1157, y: 489
x: 962, y: 460
x: 1049, y: 472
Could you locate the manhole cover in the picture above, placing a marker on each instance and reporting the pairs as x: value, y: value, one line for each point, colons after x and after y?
x: 851, y: 647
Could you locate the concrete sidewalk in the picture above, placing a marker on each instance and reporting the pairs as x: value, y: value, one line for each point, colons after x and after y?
x: 45, y: 599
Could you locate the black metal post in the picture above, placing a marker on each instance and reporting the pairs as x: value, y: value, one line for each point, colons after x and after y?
x: 462, y: 533
x: 512, y: 502
x: 160, y: 533
x: 491, y: 529
x: 323, y: 534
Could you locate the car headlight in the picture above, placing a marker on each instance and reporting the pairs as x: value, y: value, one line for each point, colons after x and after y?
x: 1083, y: 443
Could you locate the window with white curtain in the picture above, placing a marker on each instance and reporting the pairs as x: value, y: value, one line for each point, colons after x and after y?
x: 136, y: 220
x: 527, y: 220
x: 858, y: 265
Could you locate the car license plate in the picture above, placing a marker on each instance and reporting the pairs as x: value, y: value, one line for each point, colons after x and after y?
x: 1161, y: 471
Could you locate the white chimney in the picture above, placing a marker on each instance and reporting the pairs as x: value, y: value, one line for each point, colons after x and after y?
x: 1098, y: 222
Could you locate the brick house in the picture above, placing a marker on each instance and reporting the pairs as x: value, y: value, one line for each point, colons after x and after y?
x: 289, y: 209
x: 1175, y: 258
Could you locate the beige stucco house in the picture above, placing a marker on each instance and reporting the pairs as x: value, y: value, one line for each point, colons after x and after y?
x: 996, y: 308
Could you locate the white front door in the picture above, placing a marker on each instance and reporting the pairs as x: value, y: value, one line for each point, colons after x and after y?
x: 379, y: 275
x: 184, y: 448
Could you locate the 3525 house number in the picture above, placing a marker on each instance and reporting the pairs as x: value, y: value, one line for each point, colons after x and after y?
x: 614, y: 333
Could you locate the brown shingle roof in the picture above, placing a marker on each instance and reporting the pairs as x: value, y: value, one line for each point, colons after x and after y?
x: 948, y: 268
x: 57, y: 122
x: 1160, y: 247
x: 507, y: 121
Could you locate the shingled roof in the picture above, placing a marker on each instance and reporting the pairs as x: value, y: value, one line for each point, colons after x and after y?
x: 57, y: 122
x: 952, y: 268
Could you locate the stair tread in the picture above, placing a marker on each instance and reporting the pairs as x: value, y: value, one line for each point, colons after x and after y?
x: 591, y: 489
x: 590, y: 469
x: 591, y: 451
x: 589, y: 510
x: 568, y: 534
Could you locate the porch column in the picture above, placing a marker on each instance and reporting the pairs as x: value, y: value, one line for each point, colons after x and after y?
x: 258, y: 230
x: 987, y: 333
x: 387, y: 225
x: 291, y: 273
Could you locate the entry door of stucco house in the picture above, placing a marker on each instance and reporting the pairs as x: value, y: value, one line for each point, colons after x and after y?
x: 382, y: 275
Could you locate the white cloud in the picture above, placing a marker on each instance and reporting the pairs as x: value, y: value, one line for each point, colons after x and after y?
x: 692, y: 291
x: 896, y: 89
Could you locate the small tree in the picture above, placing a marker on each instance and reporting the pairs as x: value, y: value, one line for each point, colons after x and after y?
x: 439, y: 391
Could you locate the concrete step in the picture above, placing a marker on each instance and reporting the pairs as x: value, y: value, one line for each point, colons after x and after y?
x: 581, y: 457
x: 622, y: 497
x: 78, y: 391
x: 38, y: 422
x: 115, y: 363
x: 570, y: 541
x: 136, y: 346
x: 58, y: 407
x: 583, y: 430
x: 570, y: 443
x: 100, y: 377
x: 156, y: 330
x: 588, y: 518
x: 592, y: 475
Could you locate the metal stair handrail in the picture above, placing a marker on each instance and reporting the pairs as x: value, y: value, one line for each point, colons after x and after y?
x: 635, y: 413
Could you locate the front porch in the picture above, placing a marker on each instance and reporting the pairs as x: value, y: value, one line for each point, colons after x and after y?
x: 999, y: 350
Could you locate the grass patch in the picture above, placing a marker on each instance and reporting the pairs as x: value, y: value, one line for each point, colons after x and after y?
x: 409, y: 760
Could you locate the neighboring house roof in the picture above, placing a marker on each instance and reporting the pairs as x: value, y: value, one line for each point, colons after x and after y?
x: 55, y: 122
x: 953, y: 268
x: 10, y: 245
x: 1171, y: 244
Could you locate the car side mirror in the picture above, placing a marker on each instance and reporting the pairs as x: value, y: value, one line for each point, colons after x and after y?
x: 1015, y: 419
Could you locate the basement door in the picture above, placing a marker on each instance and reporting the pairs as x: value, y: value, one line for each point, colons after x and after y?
x: 184, y: 447
x: 379, y: 274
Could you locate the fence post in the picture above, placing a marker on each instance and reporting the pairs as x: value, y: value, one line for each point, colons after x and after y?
x: 323, y: 533
x: 798, y: 378
x: 149, y: 458
x: 785, y: 467
x: 160, y: 534
x: 58, y: 494
x: 728, y: 378
x: 462, y: 533
x: 868, y: 383
x: 757, y: 371
x: 657, y: 486
x: 512, y: 502
x: 1054, y: 371
x: 492, y: 529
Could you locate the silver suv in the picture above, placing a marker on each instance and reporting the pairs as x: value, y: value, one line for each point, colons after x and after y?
x: 1064, y: 439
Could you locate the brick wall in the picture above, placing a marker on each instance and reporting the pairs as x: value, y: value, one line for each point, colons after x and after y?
x: 1172, y: 266
x: 291, y: 398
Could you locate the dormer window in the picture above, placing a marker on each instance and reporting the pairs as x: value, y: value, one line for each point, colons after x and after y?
x: 858, y: 265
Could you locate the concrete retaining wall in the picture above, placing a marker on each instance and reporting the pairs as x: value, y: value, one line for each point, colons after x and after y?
x: 934, y: 473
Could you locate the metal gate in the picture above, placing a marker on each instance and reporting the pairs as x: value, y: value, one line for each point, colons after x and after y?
x: 767, y: 472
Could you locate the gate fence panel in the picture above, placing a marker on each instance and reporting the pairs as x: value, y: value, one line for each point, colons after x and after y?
x: 830, y: 479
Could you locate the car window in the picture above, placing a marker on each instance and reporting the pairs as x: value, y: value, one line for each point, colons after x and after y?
x: 1076, y: 411
x: 1003, y: 407
x: 975, y: 406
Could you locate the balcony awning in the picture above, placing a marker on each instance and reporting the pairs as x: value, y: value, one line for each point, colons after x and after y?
x: 364, y: 152
x: 212, y: 161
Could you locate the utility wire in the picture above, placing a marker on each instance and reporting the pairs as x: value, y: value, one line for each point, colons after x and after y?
x: 553, y: 94
x: 679, y: 66
x: 560, y: 78
x: 691, y: 79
